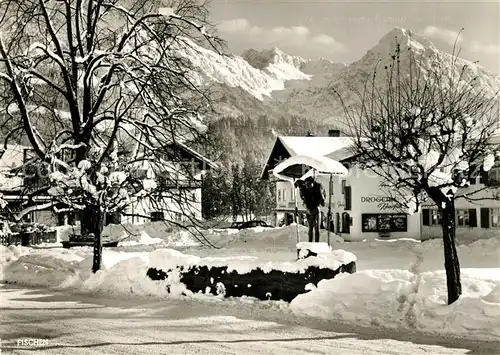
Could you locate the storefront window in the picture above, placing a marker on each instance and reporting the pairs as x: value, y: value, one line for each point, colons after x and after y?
x: 384, y: 222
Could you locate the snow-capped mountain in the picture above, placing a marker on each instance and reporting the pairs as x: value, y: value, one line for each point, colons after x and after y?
x: 321, y: 103
x: 234, y: 71
x: 301, y: 86
x: 274, y: 89
x: 269, y: 57
x: 427, y: 56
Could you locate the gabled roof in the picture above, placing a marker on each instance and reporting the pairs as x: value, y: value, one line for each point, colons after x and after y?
x: 343, y: 154
x: 197, y: 155
x: 288, y: 146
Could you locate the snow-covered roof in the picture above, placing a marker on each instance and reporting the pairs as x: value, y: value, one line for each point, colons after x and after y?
x: 343, y: 153
x: 290, y: 146
x: 291, y: 168
x: 495, y: 137
x: 198, y: 155
x: 314, y: 146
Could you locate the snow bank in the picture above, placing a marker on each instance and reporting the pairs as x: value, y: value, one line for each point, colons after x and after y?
x: 264, y: 237
x: 40, y: 267
x: 160, y: 234
x: 143, y: 239
x: 11, y: 253
x: 166, y: 259
x: 314, y: 247
x: 125, y: 272
x: 398, y: 298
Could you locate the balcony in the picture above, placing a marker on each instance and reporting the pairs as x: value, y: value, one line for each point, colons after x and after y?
x: 288, y: 205
x: 179, y: 184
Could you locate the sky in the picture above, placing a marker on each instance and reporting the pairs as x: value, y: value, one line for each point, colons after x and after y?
x: 344, y: 30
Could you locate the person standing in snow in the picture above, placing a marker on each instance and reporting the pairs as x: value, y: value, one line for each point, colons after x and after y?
x: 312, y: 194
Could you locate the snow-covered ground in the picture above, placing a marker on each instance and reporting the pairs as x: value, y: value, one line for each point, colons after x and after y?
x: 398, y: 284
x: 72, y: 323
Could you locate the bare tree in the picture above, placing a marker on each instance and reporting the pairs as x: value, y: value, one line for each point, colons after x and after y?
x: 426, y: 133
x: 104, y: 94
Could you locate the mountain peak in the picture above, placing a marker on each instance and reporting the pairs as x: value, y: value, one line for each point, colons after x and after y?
x: 262, y: 59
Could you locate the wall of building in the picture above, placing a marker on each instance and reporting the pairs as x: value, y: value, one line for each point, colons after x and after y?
x: 172, y: 209
x: 472, y: 221
x: 285, y: 196
x: 366, y: 199
x: 46, y: 217
x: 370, y: 205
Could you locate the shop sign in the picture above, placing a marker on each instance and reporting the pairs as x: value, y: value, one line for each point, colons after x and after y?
x: 384, y: 203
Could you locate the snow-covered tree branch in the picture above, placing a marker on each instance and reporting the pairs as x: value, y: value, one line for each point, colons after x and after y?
x: 101, y: 92
x: 427, y: 131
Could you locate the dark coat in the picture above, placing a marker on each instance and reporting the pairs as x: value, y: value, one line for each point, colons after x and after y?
x: 311, y: 193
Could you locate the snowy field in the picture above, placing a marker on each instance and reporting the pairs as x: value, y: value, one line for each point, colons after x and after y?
x: 398, y: 284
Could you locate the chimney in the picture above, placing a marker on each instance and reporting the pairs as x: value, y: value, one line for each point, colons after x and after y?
x: 334, y: 133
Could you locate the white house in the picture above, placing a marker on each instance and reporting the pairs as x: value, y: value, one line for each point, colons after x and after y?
x: 361, y: 210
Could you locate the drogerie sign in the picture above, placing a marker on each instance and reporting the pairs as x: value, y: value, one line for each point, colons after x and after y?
x: 376, y: 199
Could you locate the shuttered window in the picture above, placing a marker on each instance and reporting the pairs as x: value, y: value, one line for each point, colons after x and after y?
x: 472, y: 217
x: 485, y: 218
x: 484, y: 177
x: 347, y: 191
x: 426, y: 217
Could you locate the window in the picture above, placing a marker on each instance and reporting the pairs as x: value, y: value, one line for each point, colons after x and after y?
x: 346, y: 223
x: 494, y: 176
x: 384, y: 222
x: 495, y: 217
x: 156, y: 216
x: 426, y: 217
x: 284, y: 194
x: 279, y: 194
x: 435, y: 217
x: 462, y: 218
x: 292, y: 194
x: 347, y: 196
x: 140, y: 174
x: 113, y: 218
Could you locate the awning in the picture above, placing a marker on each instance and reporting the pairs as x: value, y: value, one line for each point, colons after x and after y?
x: 296, y: 167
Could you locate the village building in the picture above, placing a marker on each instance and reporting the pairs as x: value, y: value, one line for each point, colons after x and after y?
x: 17, y: 182
x: 362, y: 210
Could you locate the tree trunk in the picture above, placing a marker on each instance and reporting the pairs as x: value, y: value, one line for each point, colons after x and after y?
x: 451, y: 262
x: 91, y: 225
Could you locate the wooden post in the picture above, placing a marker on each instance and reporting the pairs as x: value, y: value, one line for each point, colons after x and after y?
x: 296, y: 217
x: 97, y: 259
x: 329, y: 215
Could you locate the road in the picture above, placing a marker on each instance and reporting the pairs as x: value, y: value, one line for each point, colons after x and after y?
x: 88, y: 324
